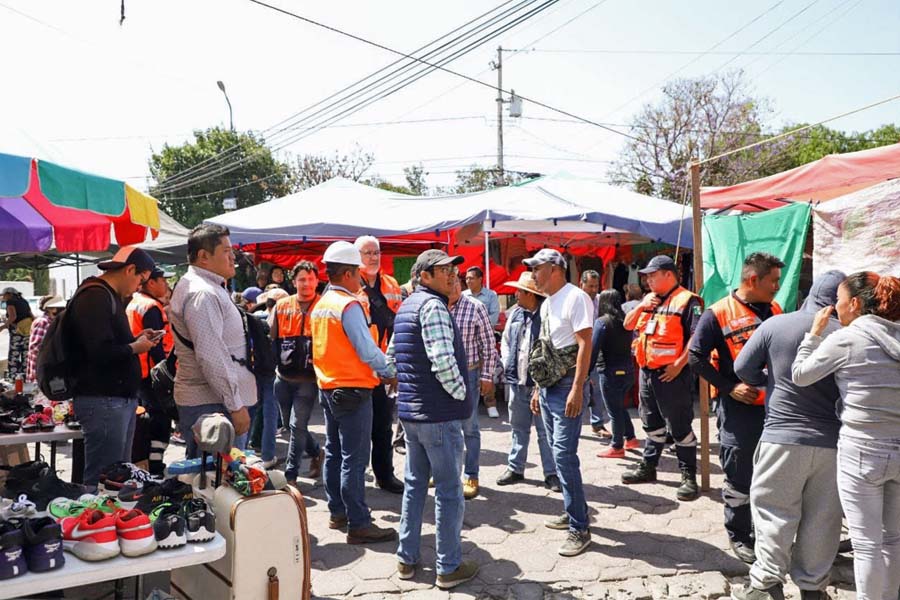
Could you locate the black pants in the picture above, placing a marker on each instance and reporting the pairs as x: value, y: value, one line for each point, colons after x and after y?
x: 151, y: 432
x: 668, y: 406
x: 382, y: 420
x: 737, y: 464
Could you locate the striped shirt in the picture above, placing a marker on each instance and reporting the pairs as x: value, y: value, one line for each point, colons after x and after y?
x: 38, y: 331
x: 471, y: 317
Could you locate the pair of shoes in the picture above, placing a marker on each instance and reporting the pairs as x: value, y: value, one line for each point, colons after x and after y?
x: 744, y: 552
x: 337, y: 521
x: 611, y: 452
x: 551, y: 482
x: 60, y: 508
x: 315, y: 465
x: 493, y: 412
x: 30, y: 545
x: 405, y: 571
x: 463, y: 573
x: 371, y: 535
x: 688, y: 490
x: 510, y: 477
x: 152, y: 494
x: 18, y: 508
x: 643, y: 472
x: 470, y: 488
x: 602, y: 431
x: 576, y: 543
x: 633, y: 444
x: 392, y: 485
x: 38, y: 421
x: 119, y: 476
x: 94, y: 535
x: 775, y: 592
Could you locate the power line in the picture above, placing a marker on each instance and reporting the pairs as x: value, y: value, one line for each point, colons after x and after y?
x: 696, y: 52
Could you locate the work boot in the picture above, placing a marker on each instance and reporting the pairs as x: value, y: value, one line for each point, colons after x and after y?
x: 470, y: 488
x: 337, y: 521
x: 370, y: 535
x: 744, y: 552
x: 509, y: 477
x: 315, y: 465
x: 392, y: 485
x: 463, y: 573
x: 751, y: 593
x: 643, y: 472
x: 688, y: 489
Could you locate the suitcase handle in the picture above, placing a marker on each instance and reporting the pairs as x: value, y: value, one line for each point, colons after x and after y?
x: 273, y: 584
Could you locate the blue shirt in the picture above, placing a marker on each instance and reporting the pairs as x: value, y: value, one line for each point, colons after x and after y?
x: 490, y: 301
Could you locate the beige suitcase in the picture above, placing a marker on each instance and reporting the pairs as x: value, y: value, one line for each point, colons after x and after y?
x: 267, y: 555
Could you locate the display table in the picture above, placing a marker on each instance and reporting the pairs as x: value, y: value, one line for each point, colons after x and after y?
x: 77, y: 572
x: 60, y: 433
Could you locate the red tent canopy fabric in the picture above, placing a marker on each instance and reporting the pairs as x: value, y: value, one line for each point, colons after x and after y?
x: 824, y: 179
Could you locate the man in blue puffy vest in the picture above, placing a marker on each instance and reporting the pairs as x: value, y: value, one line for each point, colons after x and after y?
x: 433, y: 405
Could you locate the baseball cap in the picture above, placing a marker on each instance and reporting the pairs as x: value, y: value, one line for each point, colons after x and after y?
x: 251, y: 293
x: 546, y: 255
x: 342, y: 253
x: 434, y: 258
x: 659, y: 263
x: 156, y: 273
x: 128, y: 255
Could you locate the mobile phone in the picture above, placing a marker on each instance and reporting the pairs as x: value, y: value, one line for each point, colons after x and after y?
x: 157, y: 335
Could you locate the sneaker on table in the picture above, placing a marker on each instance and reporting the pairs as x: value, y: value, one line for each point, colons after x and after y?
x: 49, y: 487
x: 91, y: 536
x: 152, y: 495
x: 116, y: 477
x: 18, y: 508
x: 12, y: 550
x: 21, y: 477
x: 43, y: 544
x: 135, y: 533
x: 200, y: 520
x: 169, y: 527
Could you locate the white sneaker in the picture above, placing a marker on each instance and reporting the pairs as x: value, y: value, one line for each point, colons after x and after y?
x: 493, y: 412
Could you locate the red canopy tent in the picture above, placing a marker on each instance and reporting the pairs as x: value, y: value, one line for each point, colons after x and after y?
x: 824, y: 179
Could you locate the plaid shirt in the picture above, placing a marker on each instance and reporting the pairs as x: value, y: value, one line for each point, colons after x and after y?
x: 471, y: 317
x: 38, y: 331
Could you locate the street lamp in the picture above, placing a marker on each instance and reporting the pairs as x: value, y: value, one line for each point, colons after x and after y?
x: 230, y: 113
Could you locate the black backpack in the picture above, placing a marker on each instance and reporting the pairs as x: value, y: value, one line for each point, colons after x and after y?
x: 56, y: 376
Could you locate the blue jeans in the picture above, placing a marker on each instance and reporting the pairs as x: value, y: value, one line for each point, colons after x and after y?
x: 471, y: 432
x: 593, y: 398
x: 520, y: 421
x: 564, y: 433
x: 297, y: 401
x: 265, y: 401
x: 348, y: 442
x: 188, y: 415
x: 107, y: 423
x: 614, y: 387
x: 433, y: 450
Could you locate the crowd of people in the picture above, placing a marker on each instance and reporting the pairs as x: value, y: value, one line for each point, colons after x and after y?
x: 806, y: 401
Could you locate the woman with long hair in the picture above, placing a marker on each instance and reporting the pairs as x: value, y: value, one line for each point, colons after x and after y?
x: 18, y: 322
x: 611, y: 356
x: 864, y: 357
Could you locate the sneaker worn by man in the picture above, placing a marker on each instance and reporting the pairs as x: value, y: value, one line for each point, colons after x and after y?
x: 493, y: 412
x: 43, y: 544
x: 688, y: 489
x: 744, y: 552
x: 91, y: 536
x: 19, y: 508
x: 561, y: 522
x: 405, y: 571
x: 551, y: 482
x: 12, y: 551
x: 641, y: 473
x: 633, y: 444
x: 576, y: 543
x: 510, y: 477
x: 169, y: 527
x: 135, y: 533
x: 371, y: 535
x: 751, y: 593
x: 602, y: 431
x: 200, y: 520
x: 315, y: 465
x: 611, y: 452
x: 463, y: 573
x: 470, y: 488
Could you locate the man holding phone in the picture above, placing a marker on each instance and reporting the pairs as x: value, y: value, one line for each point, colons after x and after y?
x: 153, y: 427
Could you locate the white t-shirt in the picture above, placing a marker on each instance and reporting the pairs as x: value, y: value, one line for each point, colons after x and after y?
x: 565, y: 312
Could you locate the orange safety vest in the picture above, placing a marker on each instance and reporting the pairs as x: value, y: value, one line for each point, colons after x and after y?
x: 292, y: 326
x: 392, y: 293
x: 137, y: 308
x: 738, y: 323
x: 334, y: 358
x: 665, y: 343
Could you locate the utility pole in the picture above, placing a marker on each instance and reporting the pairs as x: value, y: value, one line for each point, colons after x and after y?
x: 697, y: 223
x: 499, y: 67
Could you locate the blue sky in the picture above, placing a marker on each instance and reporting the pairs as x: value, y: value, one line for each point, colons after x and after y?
x: 81, y: 90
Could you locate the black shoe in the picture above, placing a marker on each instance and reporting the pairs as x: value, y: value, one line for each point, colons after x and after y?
x: 169, y: 526
x: 751, y: 593
x: 845, y: 547
x: 22, y: 476
x: 151, y: 495
x: 552, y: 483
x: 49, y: 487
x: 814, y: 595
x: 200, y: 520
x: 8, y: 425
x: 744, y: 552
x: 509, y: 477
x: 122, y: 475
x: 392, y: 485
x: 688, y: 489
x: 371, y: 535
x: 43, y: 544
x: 642, y: 473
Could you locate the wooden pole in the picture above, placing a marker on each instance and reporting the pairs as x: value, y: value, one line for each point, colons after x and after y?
x: 697, y: 223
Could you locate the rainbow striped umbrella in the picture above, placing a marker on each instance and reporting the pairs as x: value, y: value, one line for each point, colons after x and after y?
x: 44, y: 205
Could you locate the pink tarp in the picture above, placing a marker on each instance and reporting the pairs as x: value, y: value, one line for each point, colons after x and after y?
x: 824, y: 179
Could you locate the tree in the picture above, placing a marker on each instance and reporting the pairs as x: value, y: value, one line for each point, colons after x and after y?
x: 223, y: 164
x: 415, y: 182
x: 819, y: 141
x: 477, y: 179
x: 312, y: 169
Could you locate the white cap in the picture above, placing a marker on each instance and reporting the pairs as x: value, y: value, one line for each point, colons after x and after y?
x: 342, y: 253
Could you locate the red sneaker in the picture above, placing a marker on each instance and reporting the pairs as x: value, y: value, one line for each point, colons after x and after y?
x: 633, y: 444
x: 612, y: 453
x: 135, y: 533
x: 90, y: 536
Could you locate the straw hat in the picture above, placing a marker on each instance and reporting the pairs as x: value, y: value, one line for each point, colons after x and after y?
x: 526, y: 283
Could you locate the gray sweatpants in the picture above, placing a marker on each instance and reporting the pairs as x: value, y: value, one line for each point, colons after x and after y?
x: 796, y: 515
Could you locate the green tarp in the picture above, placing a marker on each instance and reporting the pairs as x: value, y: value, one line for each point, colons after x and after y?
x: 728, y: 239
x: 76, y: 189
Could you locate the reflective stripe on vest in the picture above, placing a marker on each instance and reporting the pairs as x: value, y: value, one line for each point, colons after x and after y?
x: 666, y: 343
x: 737, y: 322
x: 135, y: 311
x: 390, y: 289
x: 334, y: 358
x: 292, y: 321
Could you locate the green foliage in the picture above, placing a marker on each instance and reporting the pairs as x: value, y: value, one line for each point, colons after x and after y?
x: 312, y: 169
x: 477, y: 179
x: 820, y: 141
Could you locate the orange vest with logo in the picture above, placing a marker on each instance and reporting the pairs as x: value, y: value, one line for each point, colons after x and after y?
x: 665, y: 343
x: 738, y: 323
x: 392, y: 293
x: 137, y: 308
x: 293, y: 332
x: 334, y: 358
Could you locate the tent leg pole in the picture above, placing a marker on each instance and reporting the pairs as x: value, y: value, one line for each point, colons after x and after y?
x: 697, y: 224
x: 77, y: 269
x: 487, y: 259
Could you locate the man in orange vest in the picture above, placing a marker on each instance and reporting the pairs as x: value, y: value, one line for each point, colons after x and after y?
x: 154, y: 427
x: 348, y: 366
x: 383, y: 295
x: 721, y: 334
x: 663, y: 323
